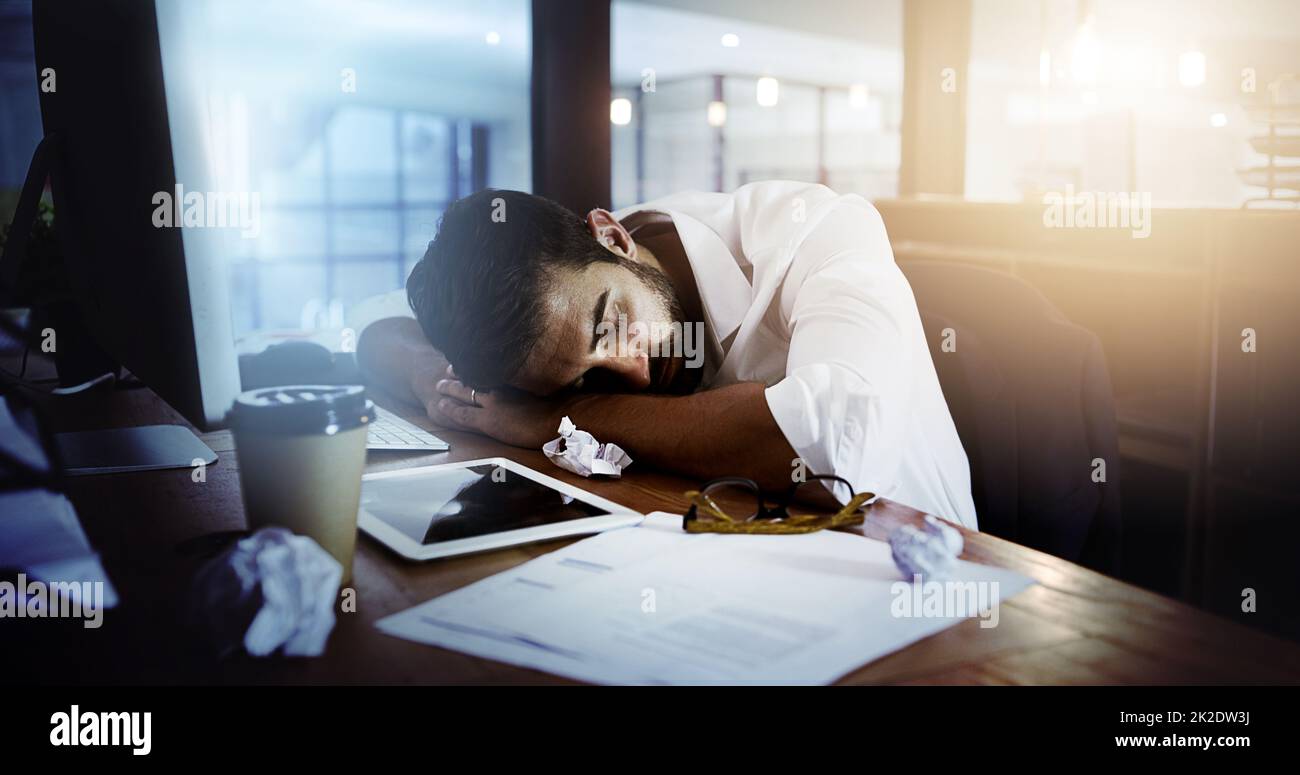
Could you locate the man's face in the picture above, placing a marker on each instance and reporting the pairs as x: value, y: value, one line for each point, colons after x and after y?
x: 610, y: 327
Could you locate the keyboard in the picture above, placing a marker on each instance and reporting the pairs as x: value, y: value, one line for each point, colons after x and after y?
x: 390, y: 432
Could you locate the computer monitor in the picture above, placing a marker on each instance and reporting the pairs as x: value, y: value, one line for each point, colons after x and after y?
x: 128, y: 150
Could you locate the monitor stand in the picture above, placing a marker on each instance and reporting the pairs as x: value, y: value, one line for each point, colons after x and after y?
x: 145, y: 448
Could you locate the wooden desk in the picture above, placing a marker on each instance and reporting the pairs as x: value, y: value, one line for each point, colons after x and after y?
x: 1074, y: 626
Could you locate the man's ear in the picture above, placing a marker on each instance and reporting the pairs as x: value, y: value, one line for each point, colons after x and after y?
x: 610, y: 233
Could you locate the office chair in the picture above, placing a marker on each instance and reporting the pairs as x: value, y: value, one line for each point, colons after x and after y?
x: 1031, y: 398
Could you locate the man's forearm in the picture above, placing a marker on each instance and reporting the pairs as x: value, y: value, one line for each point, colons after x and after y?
x: 725, y: 432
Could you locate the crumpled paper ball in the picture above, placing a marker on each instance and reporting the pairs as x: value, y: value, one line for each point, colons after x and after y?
x: 579, y: 452
x: 270, y: 590
x: 929, y: 553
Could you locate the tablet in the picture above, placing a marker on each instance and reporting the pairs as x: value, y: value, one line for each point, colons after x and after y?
x: 476, y: 505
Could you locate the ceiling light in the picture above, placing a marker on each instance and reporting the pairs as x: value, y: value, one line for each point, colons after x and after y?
x: 717, y: 113
x: 1191, y: 68
x: 1086, y: 56
x: 859, y: 94
x: 620, y: 111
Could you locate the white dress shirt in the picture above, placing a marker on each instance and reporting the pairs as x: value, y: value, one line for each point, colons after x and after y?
x: 801, y: 292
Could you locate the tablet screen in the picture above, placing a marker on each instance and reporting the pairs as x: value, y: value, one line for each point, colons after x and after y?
x: 452, y: 503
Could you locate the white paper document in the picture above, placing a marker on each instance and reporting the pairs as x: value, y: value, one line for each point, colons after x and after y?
x: 656, y: 605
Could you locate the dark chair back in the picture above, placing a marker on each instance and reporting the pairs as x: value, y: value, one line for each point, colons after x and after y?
x: 1031, y: 398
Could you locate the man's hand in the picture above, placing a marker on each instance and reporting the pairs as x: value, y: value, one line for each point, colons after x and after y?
x: 505, y: 414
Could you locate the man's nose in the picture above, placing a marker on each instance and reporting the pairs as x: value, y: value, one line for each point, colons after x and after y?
x: 632, y: 369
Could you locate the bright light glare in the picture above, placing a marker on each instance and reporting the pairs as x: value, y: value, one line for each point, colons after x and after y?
x: 1086, y: 56
x: 859, y: 94
x: 1132, y: 66
x: 620, y: 111
x: 1191, y: 68
x: 1218, y: 120
x: 730, y: 40
x: 492, y: 38
x: 769, y: 91
x: 1044, y: 67
x: 717, y: 113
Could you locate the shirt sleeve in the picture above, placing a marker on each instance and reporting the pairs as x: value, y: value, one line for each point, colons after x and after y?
x: 845, y: 402
x: 385, y: 305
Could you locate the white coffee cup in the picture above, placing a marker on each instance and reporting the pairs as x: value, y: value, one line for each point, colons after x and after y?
x: 301, y: 451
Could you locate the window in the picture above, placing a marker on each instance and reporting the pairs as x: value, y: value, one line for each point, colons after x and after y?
x: 353, y: 212
x: 755, y: 91
x: 1160, y: 97
x: 357, y: 124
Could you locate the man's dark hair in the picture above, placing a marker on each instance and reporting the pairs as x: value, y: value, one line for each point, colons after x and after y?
x: 478, y: 291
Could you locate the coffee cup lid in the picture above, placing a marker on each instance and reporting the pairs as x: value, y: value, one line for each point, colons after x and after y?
x: 294, y: 409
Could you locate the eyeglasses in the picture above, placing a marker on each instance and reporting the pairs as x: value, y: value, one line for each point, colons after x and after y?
x: 734, y: 504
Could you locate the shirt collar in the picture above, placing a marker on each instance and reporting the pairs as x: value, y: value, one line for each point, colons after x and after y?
x: 724, y: 289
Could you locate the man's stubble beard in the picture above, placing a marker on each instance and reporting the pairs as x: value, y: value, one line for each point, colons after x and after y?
x: 685, y: 380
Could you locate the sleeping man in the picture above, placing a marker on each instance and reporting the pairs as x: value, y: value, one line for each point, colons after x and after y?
x: 760, y: 333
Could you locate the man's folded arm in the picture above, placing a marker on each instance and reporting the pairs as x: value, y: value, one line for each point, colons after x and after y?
x: 723, y: 432
x: 393, y: 354
x: 846, y: 397
x: 728, y: 431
